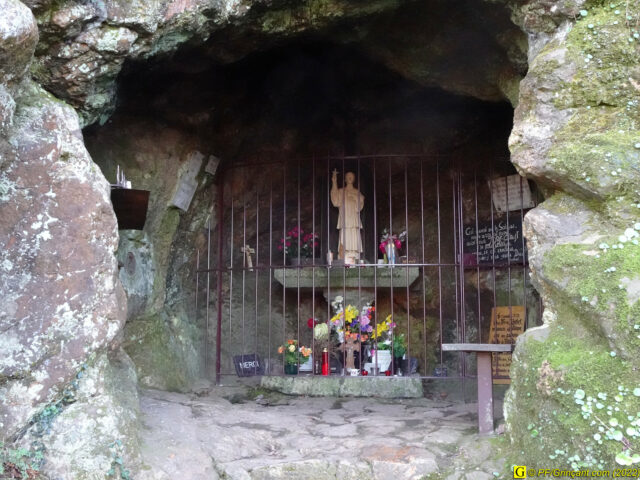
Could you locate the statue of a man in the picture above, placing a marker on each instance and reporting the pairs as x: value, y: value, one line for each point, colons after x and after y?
x: 349, y: 202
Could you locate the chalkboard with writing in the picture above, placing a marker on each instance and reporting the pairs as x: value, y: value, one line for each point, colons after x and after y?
x: 248, y: 365
x: 492, y: 243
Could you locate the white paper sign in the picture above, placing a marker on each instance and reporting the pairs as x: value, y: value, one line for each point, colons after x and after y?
x: 512, y: 191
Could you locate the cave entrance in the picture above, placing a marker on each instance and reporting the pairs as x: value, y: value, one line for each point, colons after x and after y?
x: 460, y: 274
x: 421, y: 87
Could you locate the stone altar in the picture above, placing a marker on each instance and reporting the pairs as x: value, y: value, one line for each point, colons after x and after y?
x: 357, y: 284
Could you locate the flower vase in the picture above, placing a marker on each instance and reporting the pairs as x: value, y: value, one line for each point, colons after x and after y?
x: 383, y: 359
x: 290, y: 368
x: 390, y: 251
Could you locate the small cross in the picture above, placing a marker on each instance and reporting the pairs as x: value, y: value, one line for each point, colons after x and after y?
x: 248, y: 251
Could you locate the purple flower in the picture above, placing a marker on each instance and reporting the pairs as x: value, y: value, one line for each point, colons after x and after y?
x: 364, y: 320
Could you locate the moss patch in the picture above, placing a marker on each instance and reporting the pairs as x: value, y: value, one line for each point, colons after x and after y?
x: 163, y: 352
x: 585, y: 414
x: 602, y: 282
x: 596, y: 150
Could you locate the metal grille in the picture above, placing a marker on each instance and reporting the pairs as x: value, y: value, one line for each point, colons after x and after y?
x: 462, y: 257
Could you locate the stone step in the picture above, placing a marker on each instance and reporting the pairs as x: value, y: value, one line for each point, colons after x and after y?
x: 337, y: 386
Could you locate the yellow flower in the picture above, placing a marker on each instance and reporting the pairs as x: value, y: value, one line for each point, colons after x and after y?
x: 292, y: 348
x: 350, y: 313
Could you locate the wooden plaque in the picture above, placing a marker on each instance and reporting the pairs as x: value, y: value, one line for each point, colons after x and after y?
x: 506, y: 324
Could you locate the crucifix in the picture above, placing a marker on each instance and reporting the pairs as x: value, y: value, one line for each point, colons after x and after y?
x: 247, y: 260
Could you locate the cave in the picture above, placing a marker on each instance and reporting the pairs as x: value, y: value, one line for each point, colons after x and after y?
x: 118, y: 345
x: 277, y: 118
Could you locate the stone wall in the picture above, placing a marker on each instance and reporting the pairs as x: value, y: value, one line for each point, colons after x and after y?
x: 162, y: 335
x: 574, y: 399
x: 62, y: 305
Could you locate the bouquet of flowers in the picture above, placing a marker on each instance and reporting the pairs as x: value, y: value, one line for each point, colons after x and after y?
x: 351, y: 323
x: 295, y: 237
x: 292, y: 353
x: 383, y: 334
x: 320, y: 329
x: 388, y: 238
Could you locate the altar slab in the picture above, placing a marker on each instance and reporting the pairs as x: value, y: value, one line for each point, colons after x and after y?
x: 365, y: 277
x: 337, y: 386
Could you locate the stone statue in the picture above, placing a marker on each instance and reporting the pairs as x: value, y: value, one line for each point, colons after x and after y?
x: 349, y: 201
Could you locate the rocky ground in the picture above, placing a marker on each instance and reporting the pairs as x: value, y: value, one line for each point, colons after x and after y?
x: 248, y: 433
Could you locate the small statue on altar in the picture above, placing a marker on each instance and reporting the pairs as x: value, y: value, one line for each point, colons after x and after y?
x: 349, y: 201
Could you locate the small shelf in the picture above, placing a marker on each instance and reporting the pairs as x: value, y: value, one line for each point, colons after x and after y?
x: 130, y: 207
x: 379, y: 276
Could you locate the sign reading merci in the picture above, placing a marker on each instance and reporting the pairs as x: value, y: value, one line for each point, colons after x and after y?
x: 248, y: 365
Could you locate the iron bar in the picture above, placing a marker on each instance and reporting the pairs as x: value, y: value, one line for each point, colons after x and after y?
x: 463, y: 194
x: 219, y: 280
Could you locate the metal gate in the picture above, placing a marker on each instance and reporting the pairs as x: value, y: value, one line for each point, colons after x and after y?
x: 460, y: 274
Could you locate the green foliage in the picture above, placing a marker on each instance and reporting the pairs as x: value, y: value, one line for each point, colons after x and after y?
x: 19, y: 463
x: 399, y: 345
x: 117, y: 469
x: 28, y: 462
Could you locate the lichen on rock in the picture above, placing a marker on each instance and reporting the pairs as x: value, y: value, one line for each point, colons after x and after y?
x: 573, y: 398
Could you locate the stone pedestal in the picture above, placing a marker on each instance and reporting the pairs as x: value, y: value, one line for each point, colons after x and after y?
x: 337, y: 386
x: 357, y: 284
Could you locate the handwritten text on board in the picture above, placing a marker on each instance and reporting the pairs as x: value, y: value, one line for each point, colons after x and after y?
x: 492, y: 243
x: 506, y: 324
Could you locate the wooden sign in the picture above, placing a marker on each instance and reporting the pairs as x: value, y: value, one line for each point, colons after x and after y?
x: 511, y: 193
x: 494, y: 243
x: 506, y: 324
x: 248, y: 365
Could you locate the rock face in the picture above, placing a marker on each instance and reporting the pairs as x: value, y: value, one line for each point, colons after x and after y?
x: 574, y: 398
x: 163, y: 334
x: 62, y: 306
x: 83, y: 46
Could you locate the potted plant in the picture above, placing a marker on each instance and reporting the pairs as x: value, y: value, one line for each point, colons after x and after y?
x: 293, y: 355
x: 382, y: 336
x: 399, y: 351
x: 298, y: 246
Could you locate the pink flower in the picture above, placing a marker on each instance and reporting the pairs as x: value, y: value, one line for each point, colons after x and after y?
x: 280, y: 247
x: 288, y: 243
x: 315, y: 244
x: 398, y: 244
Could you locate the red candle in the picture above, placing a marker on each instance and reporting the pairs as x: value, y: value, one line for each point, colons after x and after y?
x: 325, y: 362
x: 388, y: 373
x: 364, y: 373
